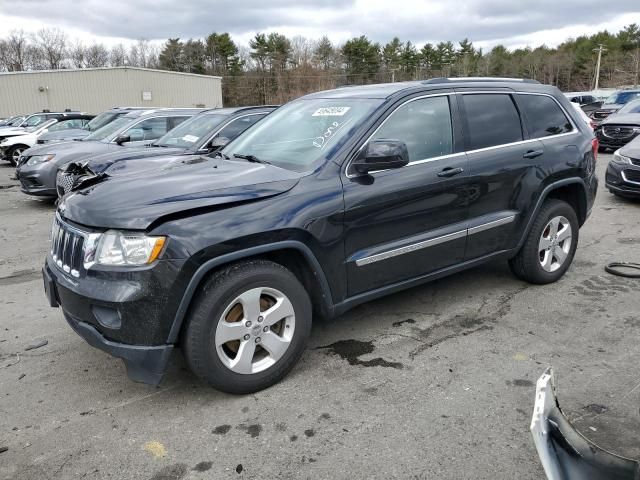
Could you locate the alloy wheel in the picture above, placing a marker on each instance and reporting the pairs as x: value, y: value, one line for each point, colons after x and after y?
x: 555, y: 244
x: 255, y: 330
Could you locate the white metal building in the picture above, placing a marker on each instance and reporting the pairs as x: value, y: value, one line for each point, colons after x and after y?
x: 94, y: 90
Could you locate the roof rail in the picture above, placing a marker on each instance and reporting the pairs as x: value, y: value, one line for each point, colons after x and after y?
x: 478, y: 79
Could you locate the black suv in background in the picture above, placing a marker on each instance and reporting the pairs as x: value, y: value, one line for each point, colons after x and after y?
x: 200, y: 135
x: 332, y: 200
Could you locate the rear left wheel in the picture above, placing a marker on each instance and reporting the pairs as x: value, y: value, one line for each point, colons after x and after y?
x: 248, y: 327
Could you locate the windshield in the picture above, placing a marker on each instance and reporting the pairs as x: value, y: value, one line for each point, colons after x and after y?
x: 303, y: 132
x: 622, y: 97
x: 631, y: 107
x: 34, y: 120
x: 40, y: 126
x: 16, y: 121
x: 192, y: 132
x: 110, y: 128
x: 101, y: 120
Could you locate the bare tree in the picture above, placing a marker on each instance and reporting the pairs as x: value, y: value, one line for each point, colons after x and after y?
x: 96, y: 55
x: 16, y: 51
x: 52, y: 43
x: 118, y: 56
x: 77, y: 55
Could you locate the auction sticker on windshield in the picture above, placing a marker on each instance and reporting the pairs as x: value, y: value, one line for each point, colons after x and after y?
x: 331, y: 111
x: 190, y: 138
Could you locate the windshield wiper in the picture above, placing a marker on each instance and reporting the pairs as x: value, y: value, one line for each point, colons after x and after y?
x: 251, y: 158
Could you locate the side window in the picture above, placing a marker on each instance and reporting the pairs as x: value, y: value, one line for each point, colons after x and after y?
x: 237, y: 126
x: 175, y: 121
x: 492, y: 119
x: 543, y: 115
x: 149, y: 129
x: 424, y: 125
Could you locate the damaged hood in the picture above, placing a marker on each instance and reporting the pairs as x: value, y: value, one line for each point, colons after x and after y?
x: 119, y: 162
x: 136, y: 201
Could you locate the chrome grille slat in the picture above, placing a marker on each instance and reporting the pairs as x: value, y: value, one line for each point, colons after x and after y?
x: 67, y: 245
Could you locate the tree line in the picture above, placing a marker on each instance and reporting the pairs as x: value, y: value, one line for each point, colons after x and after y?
x: 273, y: 68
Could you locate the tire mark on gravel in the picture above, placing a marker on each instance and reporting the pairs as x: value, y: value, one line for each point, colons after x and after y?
x: 21, y: 276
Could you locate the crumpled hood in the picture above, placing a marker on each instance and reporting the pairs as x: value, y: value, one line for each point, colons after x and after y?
x: 119, y: 161
x: 136, y: 201
x: 622, y: 119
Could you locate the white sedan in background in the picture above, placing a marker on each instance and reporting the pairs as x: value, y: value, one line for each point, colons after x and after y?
x: 12, y: 147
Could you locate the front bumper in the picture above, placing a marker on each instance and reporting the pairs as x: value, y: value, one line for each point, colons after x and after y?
x: 126, y: 314
x: 620, y: 179
x: 38, y: 180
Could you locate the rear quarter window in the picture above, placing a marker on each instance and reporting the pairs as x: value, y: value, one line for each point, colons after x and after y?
x: 543, y: 115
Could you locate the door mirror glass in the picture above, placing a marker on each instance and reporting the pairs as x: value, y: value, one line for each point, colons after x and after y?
x: 382, y: 154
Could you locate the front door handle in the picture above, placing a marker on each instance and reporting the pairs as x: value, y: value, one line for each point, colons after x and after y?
x: 533, y: 153
x: 450, y: 172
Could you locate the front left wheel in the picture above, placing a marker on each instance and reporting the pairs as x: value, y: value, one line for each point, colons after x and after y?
x: 14, y: 154
x: 248, y: 326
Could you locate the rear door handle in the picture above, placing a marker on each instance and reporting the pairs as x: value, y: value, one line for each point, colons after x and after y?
x: 533, y: 153
x: 450, y: 172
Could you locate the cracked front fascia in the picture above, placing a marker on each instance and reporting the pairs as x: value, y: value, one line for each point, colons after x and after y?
x: 564, y: 453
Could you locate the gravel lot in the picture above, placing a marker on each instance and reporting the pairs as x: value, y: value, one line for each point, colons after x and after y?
x: 434, y: 382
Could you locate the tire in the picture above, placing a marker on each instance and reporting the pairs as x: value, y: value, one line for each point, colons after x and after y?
x: 15, y: 152
x: 217, y: 311
x: 539, y: 259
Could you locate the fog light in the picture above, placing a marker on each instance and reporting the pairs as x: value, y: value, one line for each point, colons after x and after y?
x: 107, y: 317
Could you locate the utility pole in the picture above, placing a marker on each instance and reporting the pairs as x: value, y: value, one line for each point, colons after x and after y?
x: 600, y: 49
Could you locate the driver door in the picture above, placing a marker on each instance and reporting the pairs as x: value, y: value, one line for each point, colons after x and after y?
x: 411, y: 221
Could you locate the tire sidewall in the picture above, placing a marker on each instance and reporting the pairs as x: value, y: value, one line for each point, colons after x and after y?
x: 213, y: 305
x: 555, y: 209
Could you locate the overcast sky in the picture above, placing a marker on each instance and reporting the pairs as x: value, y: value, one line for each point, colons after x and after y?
x: 486, y: 22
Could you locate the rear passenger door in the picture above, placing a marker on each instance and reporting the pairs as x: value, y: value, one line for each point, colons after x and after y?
x: 503, y: 164
x: 407, y: 222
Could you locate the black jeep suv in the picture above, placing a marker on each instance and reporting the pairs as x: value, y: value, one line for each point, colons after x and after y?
x: 334, y: 199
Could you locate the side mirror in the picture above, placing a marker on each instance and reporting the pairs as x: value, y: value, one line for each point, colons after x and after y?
x: 217, y: 143
x: 120, y: 139
x: 382, y: 154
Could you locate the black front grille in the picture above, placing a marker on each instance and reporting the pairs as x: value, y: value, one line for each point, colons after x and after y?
x: 67, y: 247
x: 635, y: 161
x: 632, y: 175
x: 618, y: 131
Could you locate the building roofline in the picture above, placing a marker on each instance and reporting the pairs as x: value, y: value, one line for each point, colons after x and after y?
x: 69, y: 70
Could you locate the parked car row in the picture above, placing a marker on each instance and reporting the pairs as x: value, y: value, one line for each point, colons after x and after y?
x: 19, y: 134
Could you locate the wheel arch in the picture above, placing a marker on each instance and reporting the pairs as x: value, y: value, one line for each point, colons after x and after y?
x: 571, y: 190
x: 292, y: 254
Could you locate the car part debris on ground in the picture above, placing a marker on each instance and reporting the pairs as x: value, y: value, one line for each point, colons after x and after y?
x: 565, y: 454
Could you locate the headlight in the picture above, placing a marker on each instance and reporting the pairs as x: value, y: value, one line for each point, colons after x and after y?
x: 121, y: 248
x: 36, y: 159
x: 621, y: 159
